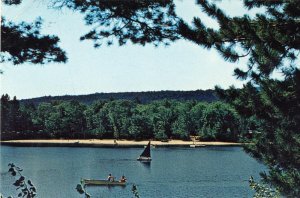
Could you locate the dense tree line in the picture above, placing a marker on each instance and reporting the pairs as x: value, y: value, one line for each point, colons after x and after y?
x: 140, y: 97
x: 127, y: 119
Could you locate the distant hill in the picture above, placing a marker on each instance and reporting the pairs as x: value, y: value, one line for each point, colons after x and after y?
x: 143, y: 97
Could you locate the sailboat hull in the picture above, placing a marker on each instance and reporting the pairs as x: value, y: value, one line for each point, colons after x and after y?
x: 144, y: 159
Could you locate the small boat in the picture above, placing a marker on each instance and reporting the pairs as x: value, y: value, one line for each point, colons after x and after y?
x: 146, y: 155
x: 197, y: 145
x: 102, y: 182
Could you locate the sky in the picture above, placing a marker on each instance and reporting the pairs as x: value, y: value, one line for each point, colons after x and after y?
x: 181, y: 66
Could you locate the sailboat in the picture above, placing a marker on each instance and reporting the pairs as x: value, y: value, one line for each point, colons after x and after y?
x: 145, y: 156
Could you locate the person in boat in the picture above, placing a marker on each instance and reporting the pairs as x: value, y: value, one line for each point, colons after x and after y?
x: 110, y: 178
x: 123, y: 179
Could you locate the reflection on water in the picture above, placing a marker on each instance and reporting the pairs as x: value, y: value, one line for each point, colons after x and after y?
x: 173, y: 172
x: 146, y: 164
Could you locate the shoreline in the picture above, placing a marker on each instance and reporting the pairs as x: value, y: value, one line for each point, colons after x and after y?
x: 111, y: 143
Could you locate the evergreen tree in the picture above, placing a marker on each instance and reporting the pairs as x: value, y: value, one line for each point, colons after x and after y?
x: 271, y: 41
x: 141, y: 22
x: 10, y: 114
x: 5, y: 126
x: 276, y: 136
x: 23, y: 42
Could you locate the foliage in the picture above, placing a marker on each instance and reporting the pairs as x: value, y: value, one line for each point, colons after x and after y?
x: 276, y: 104
x: 262, y: 190
x: 143, y: 97
x: 118, y: 112
x: 24, y: 188
x: 140, y: 127
x: 220, y: 121
x: 160, y: 120
x: 270, y: 41
x: 81, y: 190
x: 141, y: 21
x: 23, y: 42
x: 62, y: 119
x: 11, y: 116
x: 11, y: 2
x: 184, y: 125
x: 135, y: 191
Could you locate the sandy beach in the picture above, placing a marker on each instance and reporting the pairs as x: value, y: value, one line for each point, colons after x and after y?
x: 113, y: 143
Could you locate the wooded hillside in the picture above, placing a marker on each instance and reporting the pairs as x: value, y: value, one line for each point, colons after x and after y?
x: 140, y: 97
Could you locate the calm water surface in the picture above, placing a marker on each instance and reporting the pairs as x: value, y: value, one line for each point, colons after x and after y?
x: 174, y: 172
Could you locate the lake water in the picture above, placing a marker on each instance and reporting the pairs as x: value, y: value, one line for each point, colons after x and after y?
x: 174, y: 172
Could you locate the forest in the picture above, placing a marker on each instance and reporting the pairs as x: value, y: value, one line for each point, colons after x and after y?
x: 122, y: 119
x: 140, y: 97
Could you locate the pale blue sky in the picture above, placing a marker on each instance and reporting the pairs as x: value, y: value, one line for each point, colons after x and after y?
x: 181, y: 66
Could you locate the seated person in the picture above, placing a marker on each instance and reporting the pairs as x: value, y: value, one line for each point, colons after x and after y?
x: 123, y: 179
x: 110, y: 177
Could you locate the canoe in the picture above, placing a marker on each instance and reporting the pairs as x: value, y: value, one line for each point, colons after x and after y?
x: 103, y: 182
